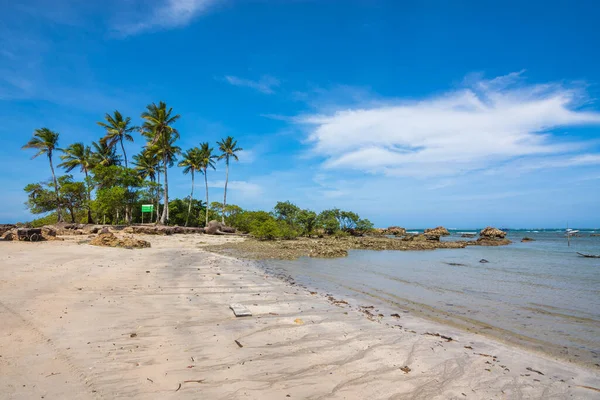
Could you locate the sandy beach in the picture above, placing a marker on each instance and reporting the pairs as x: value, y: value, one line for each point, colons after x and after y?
x: 86, y: 322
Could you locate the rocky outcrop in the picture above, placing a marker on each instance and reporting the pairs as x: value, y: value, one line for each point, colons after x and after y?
x: 482, y: 241
x: 326, y: 247
x: 468, y: 235
x: 395, y: 230
x: 437, y: 231
x: 492, y: 233
x: 9, y: 235
x: 389, y: 231
x: 491, y: 237
x: 49, y: 233
x: 421, y: 237
x: 5, y: 228
x: 527, y: 239
x: 109, y: 239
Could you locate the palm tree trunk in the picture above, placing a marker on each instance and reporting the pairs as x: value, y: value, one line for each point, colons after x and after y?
x: 128, y: 209
x: 158, y: 193
x: 124, y: 154
x: 191, y: 198
x: 206, y: 183
x: 58, y: 208
x: 90, y: 220
x: 225, y: 192
x: 165, y: 215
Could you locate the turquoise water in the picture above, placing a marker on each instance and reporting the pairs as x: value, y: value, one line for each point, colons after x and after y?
x: 539, y: 294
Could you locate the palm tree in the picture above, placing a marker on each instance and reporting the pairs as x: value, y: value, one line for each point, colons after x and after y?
x: 146, y: 163
x: 104, y: 155
x: 117, y: 129
x: 78, y: 155
x: 191, y: 162
x: 228, y: 148
x: 157, y: 126
x: 45, y: 141
x: 206, y: 160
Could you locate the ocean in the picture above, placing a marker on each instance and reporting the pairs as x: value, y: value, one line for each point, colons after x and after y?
x: 537, y: 294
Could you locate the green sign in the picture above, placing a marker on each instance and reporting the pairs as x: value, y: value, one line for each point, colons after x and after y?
x: 147, y: 207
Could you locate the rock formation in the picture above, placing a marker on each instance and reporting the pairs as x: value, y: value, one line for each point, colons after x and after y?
x: 395, y: 230
x: 109, y: 239
x: 438, y: 231
x: 492, y: 233
x: 491, y: 237
x: 5, y: 228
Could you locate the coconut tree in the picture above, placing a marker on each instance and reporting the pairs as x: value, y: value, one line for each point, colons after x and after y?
x: 45, y: 141
x: 228, y: 148
x: 146, y: 164
x: 104, y: 155
x: 79, y: 156
x: 158, y: 121
x: 191, y: 162
x: 207, y: 159
x: 117, y: 129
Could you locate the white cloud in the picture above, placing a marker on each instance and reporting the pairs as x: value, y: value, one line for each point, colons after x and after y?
x: 167, y: 14
x: 247, y: 156
x: 266, y: 84
x: 486, y: 124
x: 242, y: 187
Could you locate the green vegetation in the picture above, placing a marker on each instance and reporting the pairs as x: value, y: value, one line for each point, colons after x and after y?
x: 111, y: 192
x: 288, y: 221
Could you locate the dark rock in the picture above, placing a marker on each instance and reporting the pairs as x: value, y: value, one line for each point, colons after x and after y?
x: 527, y: 239
x: 483, y: 261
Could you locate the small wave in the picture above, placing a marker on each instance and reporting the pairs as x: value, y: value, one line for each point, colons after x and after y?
x: 415, y: 232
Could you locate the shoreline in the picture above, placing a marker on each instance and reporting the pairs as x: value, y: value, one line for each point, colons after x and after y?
x: 267, y: 253
x: 95, y: 319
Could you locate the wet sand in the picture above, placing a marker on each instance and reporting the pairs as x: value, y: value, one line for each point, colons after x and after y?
x: 85, y: 322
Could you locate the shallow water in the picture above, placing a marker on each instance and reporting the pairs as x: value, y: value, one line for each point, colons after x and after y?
x: 538, y: 294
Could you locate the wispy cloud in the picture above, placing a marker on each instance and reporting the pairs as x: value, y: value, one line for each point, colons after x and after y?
x: 164, y: 15
x: 488, y: 123
x: 266, y: 84
x: 243, y: 187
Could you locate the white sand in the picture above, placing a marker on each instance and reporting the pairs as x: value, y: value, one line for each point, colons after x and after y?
x: 68, y: 312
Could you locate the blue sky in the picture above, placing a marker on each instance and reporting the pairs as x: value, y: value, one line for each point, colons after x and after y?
x: 462, y: 113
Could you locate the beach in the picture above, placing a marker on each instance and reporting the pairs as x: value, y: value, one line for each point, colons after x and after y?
x: 88, y: 322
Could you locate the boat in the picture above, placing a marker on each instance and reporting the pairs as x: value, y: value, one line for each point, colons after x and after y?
x: 589, y: 255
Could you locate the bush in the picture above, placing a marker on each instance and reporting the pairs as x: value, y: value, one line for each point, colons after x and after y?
x: 272, y: 229
x: 341, y: 234
x: 49, y: 219
x: 286, y: 231
x: 267, y: 230
x: 247, y: 221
